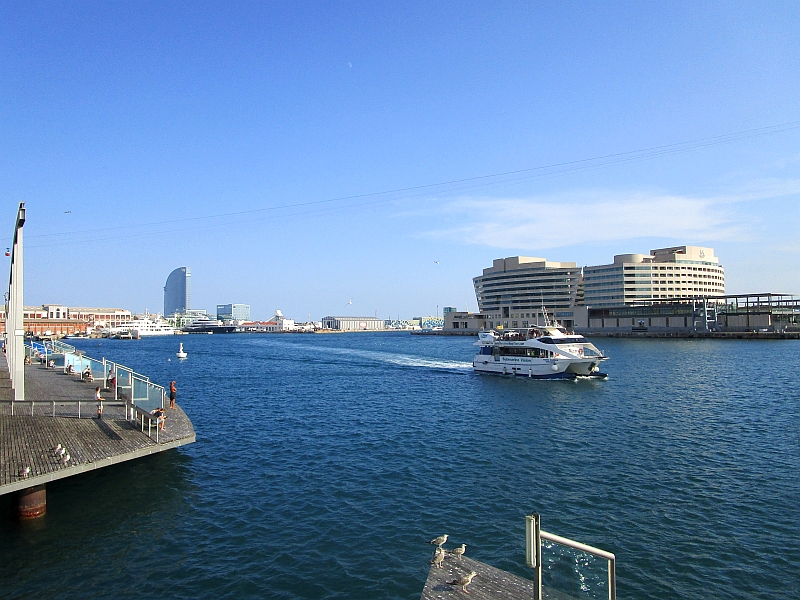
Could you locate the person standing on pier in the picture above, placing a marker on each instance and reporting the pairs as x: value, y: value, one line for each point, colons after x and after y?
x: 99, y: 399
x: 172, y: 392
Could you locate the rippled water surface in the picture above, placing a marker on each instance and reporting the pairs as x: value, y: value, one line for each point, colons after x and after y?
x: 325, y: 463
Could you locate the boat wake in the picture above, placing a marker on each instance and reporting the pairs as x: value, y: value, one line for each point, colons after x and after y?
x: 405, y: 360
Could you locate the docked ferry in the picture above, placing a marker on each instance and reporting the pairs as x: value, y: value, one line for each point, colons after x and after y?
x: 547, y: 352
x: 140, y: 327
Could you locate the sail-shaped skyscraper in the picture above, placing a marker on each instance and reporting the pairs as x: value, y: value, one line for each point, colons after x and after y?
x: 177, y: 291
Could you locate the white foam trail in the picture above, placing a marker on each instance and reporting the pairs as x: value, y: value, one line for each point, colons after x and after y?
x: 404, y: 360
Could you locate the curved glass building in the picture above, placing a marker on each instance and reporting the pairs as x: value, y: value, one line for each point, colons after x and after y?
x: 177, y: 291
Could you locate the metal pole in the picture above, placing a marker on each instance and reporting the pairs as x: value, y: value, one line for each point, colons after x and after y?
x: 533, y: 551
x: 15, y: 326
x: 612, y: 579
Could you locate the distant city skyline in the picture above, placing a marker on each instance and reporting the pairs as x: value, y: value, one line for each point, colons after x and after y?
x: 386, y: 154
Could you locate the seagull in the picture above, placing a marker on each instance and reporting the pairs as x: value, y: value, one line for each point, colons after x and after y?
x: 463, y: 581
x: 24, y: 472
x: 459, y: 552
x: 436, y: 261
x: 55, y: 450
x: 65, y: 460
x: 440, y: 541
x: 66, y: 212
x: 61, y: 452
x: 349, y: 303
x: 438, y: 558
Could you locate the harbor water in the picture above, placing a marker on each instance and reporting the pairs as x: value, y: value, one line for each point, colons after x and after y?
x: 325, y: 463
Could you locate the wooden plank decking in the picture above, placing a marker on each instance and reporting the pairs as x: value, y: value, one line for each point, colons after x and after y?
x: 489, y: 583
x: 26, y: 440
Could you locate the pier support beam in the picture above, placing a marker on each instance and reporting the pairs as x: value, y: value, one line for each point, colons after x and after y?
x: 32, y: 502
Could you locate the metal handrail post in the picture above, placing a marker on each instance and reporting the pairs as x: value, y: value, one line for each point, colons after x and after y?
x: 533, y: 551
x: 105, y: 377
x: 612, y: 578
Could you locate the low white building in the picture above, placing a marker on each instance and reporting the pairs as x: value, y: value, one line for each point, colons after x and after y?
x: 353, y: 323
x: 279, y: 323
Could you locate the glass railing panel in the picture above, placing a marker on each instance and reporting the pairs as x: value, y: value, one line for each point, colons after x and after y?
x: 573, y: 574
x: 154, y: 395
x: 123, y: 378
x: 73, y: 360
x: 143, y: 397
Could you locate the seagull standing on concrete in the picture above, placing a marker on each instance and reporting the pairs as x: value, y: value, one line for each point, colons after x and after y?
x: 56, y: 449
x: 24, y: 472
x: 438, y: 558
x: 61, y: 452
x: 440, y: 541
x: 65, y: 460
x: 463, y: 581
x: 459, y: 552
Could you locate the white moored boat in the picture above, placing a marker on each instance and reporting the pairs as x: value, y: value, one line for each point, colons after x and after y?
x: 547, y: 352
x: 142, y: 327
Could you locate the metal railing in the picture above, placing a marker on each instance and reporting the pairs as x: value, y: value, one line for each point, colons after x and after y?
x: 77, y: 409
x: 533, y: 553
x: 133, y: 390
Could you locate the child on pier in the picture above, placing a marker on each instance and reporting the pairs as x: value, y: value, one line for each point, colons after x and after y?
x: 99, y: 399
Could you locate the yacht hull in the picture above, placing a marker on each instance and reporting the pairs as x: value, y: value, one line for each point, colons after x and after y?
x: 535, y: 368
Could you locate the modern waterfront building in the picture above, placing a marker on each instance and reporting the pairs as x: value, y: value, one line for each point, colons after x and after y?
x: 353, y: 323
x: 430, y: 322
x: 512, y: 292
x: 184, y: 319
x: 233, y: 312
x: 177, y: 291
x: 663, y: 275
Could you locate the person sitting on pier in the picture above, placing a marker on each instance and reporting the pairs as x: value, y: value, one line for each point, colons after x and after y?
x: 87, y: 374
x: 51, y: 364
x: 160, y: 416
x: 70, y: 369
x: 27, y: 359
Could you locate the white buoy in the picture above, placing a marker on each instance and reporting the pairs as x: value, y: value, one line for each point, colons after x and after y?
x: 181, y: 353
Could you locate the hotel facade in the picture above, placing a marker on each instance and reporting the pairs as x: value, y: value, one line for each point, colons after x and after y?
x: 514, y: 290
x: 664, y: 275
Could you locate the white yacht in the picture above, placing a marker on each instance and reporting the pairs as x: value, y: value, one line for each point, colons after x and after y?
x: 547, y: 352
x: 143, y: 327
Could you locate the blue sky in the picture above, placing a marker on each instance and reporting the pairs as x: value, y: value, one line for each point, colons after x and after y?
x: 253, y: 142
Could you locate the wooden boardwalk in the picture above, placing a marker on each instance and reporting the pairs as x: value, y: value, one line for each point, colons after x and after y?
x: 26, y: 440
x: 489, y: 583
